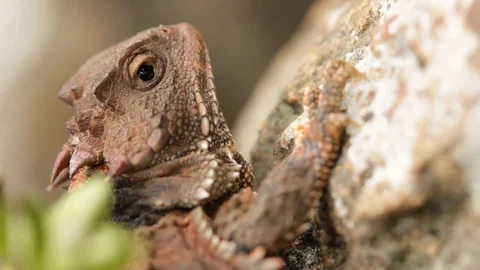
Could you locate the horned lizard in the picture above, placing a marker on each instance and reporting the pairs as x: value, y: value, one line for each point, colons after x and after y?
x: 146, y: 115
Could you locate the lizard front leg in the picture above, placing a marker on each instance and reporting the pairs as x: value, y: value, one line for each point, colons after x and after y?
x: 189, y: 181
x: 288, y: 197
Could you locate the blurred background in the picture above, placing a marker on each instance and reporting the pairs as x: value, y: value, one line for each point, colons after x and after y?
x: 45, y: 42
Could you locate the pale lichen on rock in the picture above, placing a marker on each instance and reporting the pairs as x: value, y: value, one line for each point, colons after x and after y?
x: 417, y: 68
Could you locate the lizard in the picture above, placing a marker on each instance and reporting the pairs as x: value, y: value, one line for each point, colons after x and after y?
x: 147, y: 116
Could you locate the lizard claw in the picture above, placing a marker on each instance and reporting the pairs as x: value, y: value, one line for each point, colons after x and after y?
x: 62, y: 162
x: 81, y: 157
x: 61, y: 177
x: 87, y: 152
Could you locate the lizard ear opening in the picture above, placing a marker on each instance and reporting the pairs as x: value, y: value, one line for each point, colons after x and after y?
x: 103, y: 89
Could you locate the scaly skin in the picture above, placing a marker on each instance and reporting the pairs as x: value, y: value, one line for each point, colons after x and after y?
x: 162, y: 139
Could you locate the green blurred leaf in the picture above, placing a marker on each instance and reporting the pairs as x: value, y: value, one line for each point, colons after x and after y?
x: 33, y: 214
x: 74, y: 216
x: 20, y: 241
x: 3, y: 224
x: 73, y: 234
x: 109, y: 248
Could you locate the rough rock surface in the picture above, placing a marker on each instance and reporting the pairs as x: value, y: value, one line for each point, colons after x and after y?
x: 406, y: 192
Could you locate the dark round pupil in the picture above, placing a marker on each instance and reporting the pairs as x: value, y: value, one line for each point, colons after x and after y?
x: 146, y: 72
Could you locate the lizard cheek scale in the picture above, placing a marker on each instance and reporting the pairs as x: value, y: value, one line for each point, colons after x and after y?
x: 158, y: 139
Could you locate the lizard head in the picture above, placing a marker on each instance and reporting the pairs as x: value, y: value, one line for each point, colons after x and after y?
x: 144, y: 101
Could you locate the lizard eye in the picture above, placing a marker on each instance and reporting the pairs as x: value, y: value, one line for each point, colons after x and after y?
x: 145, y: 71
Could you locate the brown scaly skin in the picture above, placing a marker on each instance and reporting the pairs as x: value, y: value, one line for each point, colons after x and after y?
x: 177, y: 176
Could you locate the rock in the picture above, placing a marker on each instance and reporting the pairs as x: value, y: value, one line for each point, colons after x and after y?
x: 406, y: 191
